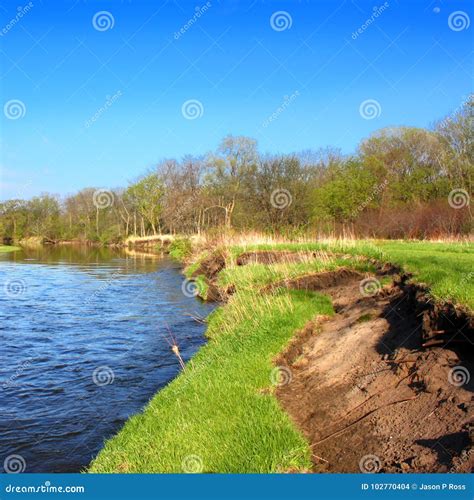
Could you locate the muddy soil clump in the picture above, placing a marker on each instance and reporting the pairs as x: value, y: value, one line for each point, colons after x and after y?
x: 210, y: 267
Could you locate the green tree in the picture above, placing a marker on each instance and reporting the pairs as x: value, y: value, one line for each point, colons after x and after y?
x: 43, y: 216
x: 351, y: 188
x: 146, y: 195
x: 412, y: 160
x: 234, y: 160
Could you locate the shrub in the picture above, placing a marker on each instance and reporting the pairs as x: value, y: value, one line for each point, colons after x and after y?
x: 181, y: 248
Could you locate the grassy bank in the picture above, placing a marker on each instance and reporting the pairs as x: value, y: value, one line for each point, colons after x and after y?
x: 8, y: 248
x: 220, y: 414
x: 447, y: 268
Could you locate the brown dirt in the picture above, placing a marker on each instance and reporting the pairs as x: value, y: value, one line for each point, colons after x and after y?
x: 362, y: 384
x: 211, y: 266
x: 442, y: 322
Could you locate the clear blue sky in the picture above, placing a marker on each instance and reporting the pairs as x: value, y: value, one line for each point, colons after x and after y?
x: 232, y: 61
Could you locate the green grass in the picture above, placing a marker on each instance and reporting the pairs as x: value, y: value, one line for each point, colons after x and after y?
x: 257, y: 275
x: 202, y: 286
x: 447, y: 268
x: 8, y: 248
x: 180, y: 248
x: 221, y: 408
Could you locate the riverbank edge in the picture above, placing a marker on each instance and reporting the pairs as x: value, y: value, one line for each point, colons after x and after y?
x: 442, y: 323
x: 152, y: 241
x: 206, y: 268
x: 293, y: 452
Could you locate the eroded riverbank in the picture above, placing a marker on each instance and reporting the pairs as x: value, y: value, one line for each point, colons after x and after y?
x: 267, y: 294
x: 226, y: 411
x: 369, y: 397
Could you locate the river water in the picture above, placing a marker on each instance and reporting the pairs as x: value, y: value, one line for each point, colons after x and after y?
x: 85, y: 339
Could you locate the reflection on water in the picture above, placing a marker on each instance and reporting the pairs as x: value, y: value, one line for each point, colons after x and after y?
x: 84, y: 337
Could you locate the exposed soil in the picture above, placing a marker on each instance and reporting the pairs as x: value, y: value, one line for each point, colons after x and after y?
x: 366, y: 393
x: 442, y: 322
x: 373, y: 387
x: 211, y: 266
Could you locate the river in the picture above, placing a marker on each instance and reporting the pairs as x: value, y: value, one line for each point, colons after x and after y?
x: 85, y: 339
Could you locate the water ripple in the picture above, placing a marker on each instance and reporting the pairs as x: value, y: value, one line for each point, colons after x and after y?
x: 84, y: 347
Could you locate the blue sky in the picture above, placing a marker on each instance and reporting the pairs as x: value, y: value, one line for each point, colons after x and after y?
x: 100, y: 102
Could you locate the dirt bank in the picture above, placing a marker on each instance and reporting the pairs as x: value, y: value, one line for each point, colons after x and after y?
x: 210, y: 267
x: 366, y: 393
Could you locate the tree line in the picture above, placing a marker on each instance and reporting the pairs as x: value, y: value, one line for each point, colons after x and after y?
x: 401, y: 182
